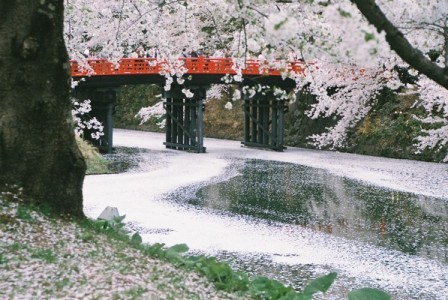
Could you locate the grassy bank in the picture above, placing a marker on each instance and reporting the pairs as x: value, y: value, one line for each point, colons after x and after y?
x: 42, y: 257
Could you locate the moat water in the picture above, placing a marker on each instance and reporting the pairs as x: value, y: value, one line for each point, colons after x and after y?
x: 285, y: 194
x: 291, y: 216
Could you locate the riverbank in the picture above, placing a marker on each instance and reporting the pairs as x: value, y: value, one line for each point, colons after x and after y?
x: 44, y: 256
x: 49, y: 258
x: 389, y: 130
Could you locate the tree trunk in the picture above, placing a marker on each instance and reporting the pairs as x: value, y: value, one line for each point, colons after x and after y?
x: 38, y: 151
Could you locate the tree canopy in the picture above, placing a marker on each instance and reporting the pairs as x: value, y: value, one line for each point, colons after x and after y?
x: 344, y: 53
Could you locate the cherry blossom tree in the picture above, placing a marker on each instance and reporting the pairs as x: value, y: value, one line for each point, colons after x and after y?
x: 419, y: 35
x: 38, y: 151
x: 343, y: 53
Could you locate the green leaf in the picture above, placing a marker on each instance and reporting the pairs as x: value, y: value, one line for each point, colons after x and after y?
x: 368, y: 294
x: 155, y: 250
x: 119, y: 219
x: 303, y: 297
x: 174, y: 253
x: 136, y: 239
x: 104, y: 224
x: 320, y: 284
x: 264, y: 288
x: 179, y: 248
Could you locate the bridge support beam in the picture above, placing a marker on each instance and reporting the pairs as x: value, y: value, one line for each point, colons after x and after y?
x: 263, y: 121
x: 184, y: 126
x: 103, y: 106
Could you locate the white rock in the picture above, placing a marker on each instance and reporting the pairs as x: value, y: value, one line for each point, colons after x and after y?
x: 109, y: 213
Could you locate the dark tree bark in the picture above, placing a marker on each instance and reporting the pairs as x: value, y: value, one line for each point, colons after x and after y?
x: 400, y: 44
x: 38, y: 151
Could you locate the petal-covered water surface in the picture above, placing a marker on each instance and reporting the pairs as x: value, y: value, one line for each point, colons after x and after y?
x: 314, y: 198
x: 292, y: 215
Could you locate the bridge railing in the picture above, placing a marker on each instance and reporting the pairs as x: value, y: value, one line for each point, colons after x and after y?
x: 205, y: 65
x: 200, y: 65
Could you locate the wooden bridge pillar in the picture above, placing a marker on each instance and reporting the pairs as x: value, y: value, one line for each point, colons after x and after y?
x: 103, y: 106
x: 184, y: 129
x: 263, y: 121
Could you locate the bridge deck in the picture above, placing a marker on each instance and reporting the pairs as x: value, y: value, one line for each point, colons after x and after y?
x: 203, y: 70
x: 200, y: 65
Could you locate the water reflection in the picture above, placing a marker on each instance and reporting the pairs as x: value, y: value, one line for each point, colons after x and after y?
x: 313, y: 198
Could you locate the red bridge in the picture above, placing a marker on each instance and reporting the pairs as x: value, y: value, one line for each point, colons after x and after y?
x: 200, y: 65
x: 263, y: 113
